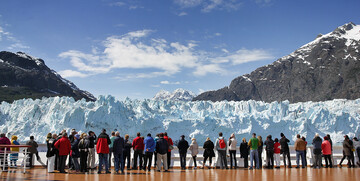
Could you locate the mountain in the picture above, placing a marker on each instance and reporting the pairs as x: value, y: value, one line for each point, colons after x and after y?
x: 177, y: 95
x: 324, y: 69
x: 24, y: 76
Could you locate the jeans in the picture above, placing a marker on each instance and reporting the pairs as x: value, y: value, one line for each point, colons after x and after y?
x: 76, y: 165
x: 148, y: 160
x: 126, y: 156
x: 287, y: 154
x: 298, y: 154
x: 119, y: 162
x: 254, y: 154
x: 270, y: 158
x: 103, y: 160
x: 138, y: 154
x: 222, y: 157
x: 233, y: 157
x: 183, y: 160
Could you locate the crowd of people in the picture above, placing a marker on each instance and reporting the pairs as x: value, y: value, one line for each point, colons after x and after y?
x: 82, y: 149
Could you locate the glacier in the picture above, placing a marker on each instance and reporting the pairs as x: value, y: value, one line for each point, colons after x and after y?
x: 199, y: 119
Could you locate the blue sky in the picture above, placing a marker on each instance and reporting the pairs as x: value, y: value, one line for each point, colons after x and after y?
x: 131, y: 48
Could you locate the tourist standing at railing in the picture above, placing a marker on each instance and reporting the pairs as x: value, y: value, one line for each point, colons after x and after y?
x: 138, y: 146
x: 118, y: 150
x: 244, y: 152
x: 303, y: 138
x: 171, y: 146
x: 149, y: 150
x: 260, y: 150
x: 71, y: 138
x: 102, y: 149
x: 285, y: 149
x: 91, y: 156
x: 347, y: 151
x: 208, y: 151
x: 3, y: 157
x: 317, y: 141
x: 254, y: 154
x: 300, y: 147
x: 64, y: 147
x: 51, y: 152
x: 33, y: 150
x: 84, y: 144
x: 127, y: 151
x: 357, y: 150
x: 332, y: 151
x: 75, y: 153
x: 155, y: 156
x: 326, y: 150
x: 14, y: 156
x: 221, y: 148
x: 232, y: 150
x: 183, y: 146
x: 269, y: 147
x: 277, y: 148
x: 162, y: 148
x: 194, y: 149
x: 112, y: 138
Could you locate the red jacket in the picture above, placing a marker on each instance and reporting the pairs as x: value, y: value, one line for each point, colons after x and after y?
x: 63, y: 145
x: 4, y: 141
x: 169, y: 140
x: 277, y: 147
x: 138, y: 143
x: 102, y: 143
x: 326, y: 147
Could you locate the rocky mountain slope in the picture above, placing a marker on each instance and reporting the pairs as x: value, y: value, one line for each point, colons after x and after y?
x: 23, y: 76
x: 324, y: 69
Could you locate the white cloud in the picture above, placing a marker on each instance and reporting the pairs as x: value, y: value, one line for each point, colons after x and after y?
x: 209, y: 5
x: 210, y: 68
x: 72, y: 73
x: 182, y: 14
x: 169, y: 83
x: 244, y: 55
x: 217, y: 34
x: 14, y: 43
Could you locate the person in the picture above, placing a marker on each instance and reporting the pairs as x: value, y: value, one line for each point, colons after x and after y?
x: 285, y: 149
x: 183, y: 146
x: 84, y: 145
x: 112, y: 138
x: 254, y: 154
x: 194, y: 149
x: 102, y: 149
x: 33, y: 150
x: 260, y: 150
x: 317, y: 142
x: 14, y: 156
x: 162, y: 148
x: 3, y: 157
x: 170, y: 142
x: 244, y: 152
x: 269, y: 147
x: 347, y: 151
x: 300, y: 147
x: 149, y: 150
x: 332, y: 152
x: 91, y: 154
x: 277, y: 148
x: 208, y: 151
x: 138, y: 146
x: 221, y: 148
x: 51, y: 151
x: 64, y: 147
x: 127, y: 151
x: 326, y: 150
x: 303, y: 138
x: 155, y: 155
x: 73, y: 132
x: 356, y: 143
x: 118, y: 150
x: 75, y: 153
x: 232, y: 150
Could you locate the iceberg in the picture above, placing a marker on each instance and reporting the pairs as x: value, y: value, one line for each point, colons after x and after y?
x: 199, y: 119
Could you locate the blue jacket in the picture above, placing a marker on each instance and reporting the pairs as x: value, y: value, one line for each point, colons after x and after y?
x: 75, y: 149
x: 149, y: 144
x: 119, y: 145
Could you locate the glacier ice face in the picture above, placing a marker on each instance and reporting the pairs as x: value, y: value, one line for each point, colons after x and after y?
x: 199, y: 119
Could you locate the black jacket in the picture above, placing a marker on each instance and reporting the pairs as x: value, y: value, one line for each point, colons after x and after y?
x: 51, y: 148
x: 284, y: 144
x: 269, y: 143
x: 162, y: 146
x: 92, y: 141
x: 209, y: 149
x: 244, y: 149
x: 75, y: 149
x: 127, y: 146
x: 118, y: 146
x: 183, y: 146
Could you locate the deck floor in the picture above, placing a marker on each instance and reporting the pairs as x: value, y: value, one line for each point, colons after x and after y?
x: 199, y: 174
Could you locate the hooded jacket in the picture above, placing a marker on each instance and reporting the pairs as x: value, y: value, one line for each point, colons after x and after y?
x: 194, y: 148
x: 63, y: 145
x: 102, y: 143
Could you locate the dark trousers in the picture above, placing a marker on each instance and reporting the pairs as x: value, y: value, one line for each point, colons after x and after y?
x: 223, y: 161
x: 183, y: 160
x: 260, y: 158
x: 287, y: 154
x: 169, y: 159
x: 155, y: 158
x: 119, y: 162
x: 246, y: 161
x: 31, y: 158
x: 138, y: 154
x: 4, y: 160
x: 126, y: 156
x: 233, y: 157
x: 110, y: 153
x: 83, y: 161
x: 210, y: 160
x: 56, y: 165
x: 148, y: 160
x: 350, y: 160
x: 194, y: 159
x: 62, y: 162
x: 270, y: 158
x: 328, y: 161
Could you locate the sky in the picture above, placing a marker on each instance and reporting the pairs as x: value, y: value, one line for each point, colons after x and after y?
x: 133, y: 48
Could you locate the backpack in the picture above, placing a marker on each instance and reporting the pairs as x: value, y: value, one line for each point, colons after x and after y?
x: 222, y: 143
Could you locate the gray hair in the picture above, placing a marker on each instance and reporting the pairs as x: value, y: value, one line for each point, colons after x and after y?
x: 117, y: 133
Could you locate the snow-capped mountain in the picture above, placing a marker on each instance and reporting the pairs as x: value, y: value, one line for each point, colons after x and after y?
x: 324, y: 69
x: 176, y: 95
x: 24, y: 76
